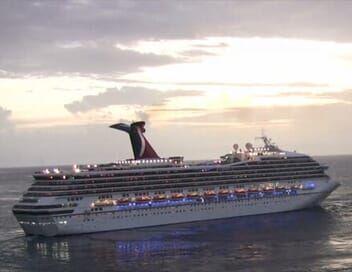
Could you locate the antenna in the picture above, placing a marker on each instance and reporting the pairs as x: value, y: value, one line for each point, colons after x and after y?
x: 267, y: 142
x: 263, y: 132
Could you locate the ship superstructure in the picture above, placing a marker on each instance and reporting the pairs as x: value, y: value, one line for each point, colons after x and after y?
x: 149, y: 190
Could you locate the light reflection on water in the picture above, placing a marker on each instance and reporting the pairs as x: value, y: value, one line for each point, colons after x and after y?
x: 239, y: 242
x: 259, y: 241
x: 58, y: 251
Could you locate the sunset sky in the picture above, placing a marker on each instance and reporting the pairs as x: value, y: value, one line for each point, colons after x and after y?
x: 203, y: 74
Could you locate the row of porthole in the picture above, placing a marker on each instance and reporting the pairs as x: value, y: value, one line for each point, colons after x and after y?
x: 74, y: 198
x: 180, y: 211
x: 145, y: 214
x: 203, y: 209
x: 36, y: 223
x: 150, y: 209
x: 220, y: 202
x: 220, y: 199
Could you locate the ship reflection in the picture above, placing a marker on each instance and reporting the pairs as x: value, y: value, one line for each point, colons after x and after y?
x: 237, y: 241
x: 49, y: 248
x: 148, y: 247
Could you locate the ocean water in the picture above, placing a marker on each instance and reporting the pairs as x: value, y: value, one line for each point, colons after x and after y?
x: 318, y: 239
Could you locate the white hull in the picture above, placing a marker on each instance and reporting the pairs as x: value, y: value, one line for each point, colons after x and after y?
x: 153, y: 216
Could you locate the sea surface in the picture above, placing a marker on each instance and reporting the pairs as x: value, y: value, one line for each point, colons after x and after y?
x: 318, y: 239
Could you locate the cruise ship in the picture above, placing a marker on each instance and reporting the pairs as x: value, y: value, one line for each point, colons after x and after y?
x: 149, y: 190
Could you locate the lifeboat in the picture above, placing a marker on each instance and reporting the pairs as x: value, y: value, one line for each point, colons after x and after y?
x: 143, y: 199
x: 295, y: 187
x: 177, y: 196
x: 268, y: 190
x: 105, y: 202
x: 209, y: 194
x: 252, y: 190
x: 123, y: 200
x: 240, y: 191
x: 193, y: 195
x: 224, y: 192
x: 159, y: 197
x: 280, y: 188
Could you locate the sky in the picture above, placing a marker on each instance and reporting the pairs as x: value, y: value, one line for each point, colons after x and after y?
x: 203, y: 75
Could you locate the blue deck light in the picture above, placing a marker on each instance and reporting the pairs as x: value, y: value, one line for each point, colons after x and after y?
x: 309, y: 185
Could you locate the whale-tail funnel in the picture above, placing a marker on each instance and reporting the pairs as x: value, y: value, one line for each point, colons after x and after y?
x: 140, y: 145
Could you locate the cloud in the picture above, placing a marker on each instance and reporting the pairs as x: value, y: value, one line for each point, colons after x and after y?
x: 301, y: 84
x: 245, y: 116
x: 214, y: 45
x: 80, y: 35
x: 99, y: 59
x: 128, y: 21
x: 306, y: 117
x: 196, y: 53
x: 344, y: 97
x: 5, y: 121
x: 126, y: 96
x: 178, y: 110
x: 142, y: 115
x: 312, y: 129
x: 254, y: 84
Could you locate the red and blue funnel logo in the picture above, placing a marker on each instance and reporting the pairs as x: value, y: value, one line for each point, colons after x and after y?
x: 140, y: 145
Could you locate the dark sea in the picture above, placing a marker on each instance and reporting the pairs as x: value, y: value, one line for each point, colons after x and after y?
x: 318, y: 239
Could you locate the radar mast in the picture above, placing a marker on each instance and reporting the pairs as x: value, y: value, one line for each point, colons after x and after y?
x: 268, y: 144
